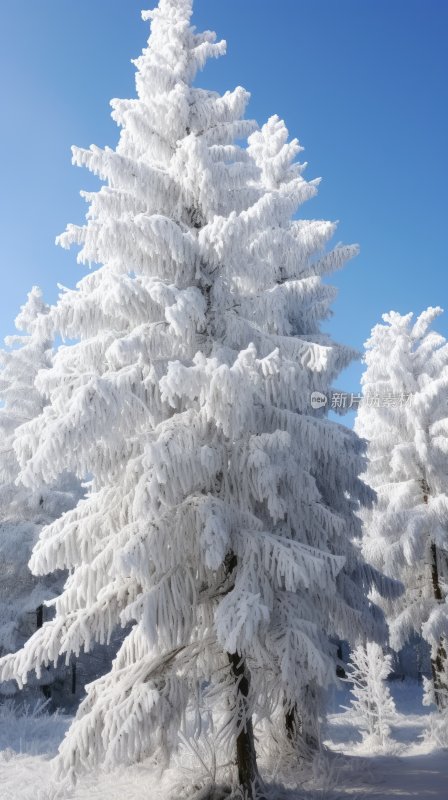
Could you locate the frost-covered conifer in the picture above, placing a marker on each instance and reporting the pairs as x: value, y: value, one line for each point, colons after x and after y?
x: 220, y: 519
x: 372, y: 703
x: 405, y: 418
x: 23, y: 511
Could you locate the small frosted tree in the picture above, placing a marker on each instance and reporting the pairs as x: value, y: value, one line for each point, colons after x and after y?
x: 405, y: 419
x: 372, y: 703
x: 220, y: 522
x: 23, y: 511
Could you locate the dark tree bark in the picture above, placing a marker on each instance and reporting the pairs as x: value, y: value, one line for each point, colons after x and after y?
x: 46, y: 691
x: 39, y: 616
x: 292, y: 724
x: 438, y: 662
x: 246, y: 757
x: 340, y: 671
x: 299, y: 733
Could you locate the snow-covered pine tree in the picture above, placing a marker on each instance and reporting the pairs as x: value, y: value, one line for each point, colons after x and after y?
x: 220, y: 519
x: 23, y: 511
x: 404, y: 417
x: 372, y: 703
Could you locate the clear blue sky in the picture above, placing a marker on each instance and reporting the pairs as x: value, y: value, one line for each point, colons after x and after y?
x: 361, y: 83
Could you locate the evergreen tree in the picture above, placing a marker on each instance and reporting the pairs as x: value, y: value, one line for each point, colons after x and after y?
x: 404, y: 417
x: 220, y: 520
x: 372, y: 703
x: 24, y: 511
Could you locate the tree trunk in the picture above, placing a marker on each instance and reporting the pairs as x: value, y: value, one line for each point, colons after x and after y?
x: 340, y: 671
x: 438, y: 662
x: 298, y: 732
x: 292, y: 723
x: 46, y: 691
x: 246, y: 758
x: 39, y: 616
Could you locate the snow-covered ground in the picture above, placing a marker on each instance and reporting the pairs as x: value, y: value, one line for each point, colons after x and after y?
x: 412, y: 768
x: 412, y: 765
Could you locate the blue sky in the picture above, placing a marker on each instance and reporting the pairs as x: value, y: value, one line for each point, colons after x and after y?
x: 361, y: 83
